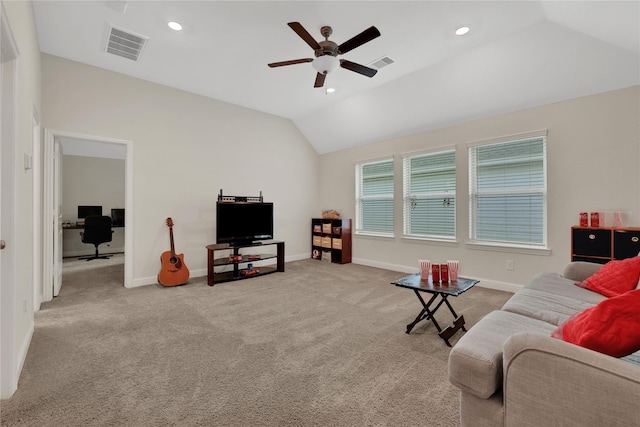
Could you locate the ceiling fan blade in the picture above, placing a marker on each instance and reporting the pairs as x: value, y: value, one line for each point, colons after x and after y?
x: 304, y: 35
x: 362, y: 38
x: 319, y: 80
x: 294, y: 61
x: 361, y: 69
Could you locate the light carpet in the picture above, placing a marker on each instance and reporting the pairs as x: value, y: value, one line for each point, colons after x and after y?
x: 318, y: 345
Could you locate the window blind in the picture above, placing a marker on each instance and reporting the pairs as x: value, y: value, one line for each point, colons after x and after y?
x: 374, y: 197
x: 507, y: 187
x: 429, y: 183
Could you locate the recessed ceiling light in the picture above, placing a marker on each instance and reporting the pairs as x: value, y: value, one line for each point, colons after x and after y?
x: 461, y: 31
x: 175, y: 26
x: 329, y: 91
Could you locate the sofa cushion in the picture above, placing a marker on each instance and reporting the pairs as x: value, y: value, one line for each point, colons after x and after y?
x: 615, y: 277
x: 555, y: 284
x: 475, y: 362
x: 545, y: 306
x: 551, y: 298
x: 611, y: 327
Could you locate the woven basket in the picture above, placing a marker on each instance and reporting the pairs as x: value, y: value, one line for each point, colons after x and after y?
x: 330, y: 214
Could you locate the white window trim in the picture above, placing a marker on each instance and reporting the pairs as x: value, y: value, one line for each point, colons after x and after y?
x: 412, y: 238
x: 368, y: 233
x: 542, y: 249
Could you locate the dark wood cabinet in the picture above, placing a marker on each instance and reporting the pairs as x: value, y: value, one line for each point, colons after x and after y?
x: 331, y: 238
x: 604, y: 244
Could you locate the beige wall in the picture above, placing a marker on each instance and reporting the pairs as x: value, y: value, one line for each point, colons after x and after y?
x: 185, y: 149
x: 91, y: 181
x: 593, y: 154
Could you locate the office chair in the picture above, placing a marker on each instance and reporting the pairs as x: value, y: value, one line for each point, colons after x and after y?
x: 97, y: 230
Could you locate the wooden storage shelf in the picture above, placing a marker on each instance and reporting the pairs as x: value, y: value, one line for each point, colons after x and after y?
x: 603, y: 244
x: 238, y: 271
x: 331, y: 237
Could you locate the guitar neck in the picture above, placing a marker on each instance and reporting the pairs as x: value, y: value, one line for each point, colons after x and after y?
x: 173, y: 250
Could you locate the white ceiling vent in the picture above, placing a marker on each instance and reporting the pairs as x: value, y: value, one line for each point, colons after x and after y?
x: 382, y: 62
x: 124, y: 43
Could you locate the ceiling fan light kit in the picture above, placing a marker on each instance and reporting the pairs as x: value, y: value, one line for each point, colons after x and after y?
x: 325, y: 64
x: 326, y: 52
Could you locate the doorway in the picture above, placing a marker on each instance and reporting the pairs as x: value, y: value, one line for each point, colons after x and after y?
x: 53, y: 229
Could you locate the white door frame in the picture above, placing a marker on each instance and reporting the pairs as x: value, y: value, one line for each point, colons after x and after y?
x: 37, y: 212
x: 49, y: 222
x: 56, y: 205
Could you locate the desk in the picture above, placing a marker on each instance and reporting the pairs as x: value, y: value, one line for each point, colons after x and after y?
x: 81, y: 227
x: 72, y: 245
x: 442, y: 290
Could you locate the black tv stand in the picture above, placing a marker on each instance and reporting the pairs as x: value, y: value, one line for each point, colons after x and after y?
x: 244, y: 244
x: 240, y: 262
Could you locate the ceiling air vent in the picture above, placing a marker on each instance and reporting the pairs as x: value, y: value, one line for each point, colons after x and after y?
x: 125, y: 43
x: 382, y: 62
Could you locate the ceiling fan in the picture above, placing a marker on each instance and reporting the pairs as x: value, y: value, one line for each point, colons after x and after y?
x: 326, y: 52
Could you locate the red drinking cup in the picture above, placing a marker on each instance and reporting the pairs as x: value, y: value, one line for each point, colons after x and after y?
x: 444, y: 273
x: 435, y: 273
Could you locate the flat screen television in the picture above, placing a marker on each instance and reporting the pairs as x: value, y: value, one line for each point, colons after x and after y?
x: 85, y: 211
x: 241, y: 223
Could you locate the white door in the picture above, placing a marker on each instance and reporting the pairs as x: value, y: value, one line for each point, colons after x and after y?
x: 57, y: 217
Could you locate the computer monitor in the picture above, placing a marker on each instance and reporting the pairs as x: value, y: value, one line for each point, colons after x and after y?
x: 85, y: 211
x: 117, y: 217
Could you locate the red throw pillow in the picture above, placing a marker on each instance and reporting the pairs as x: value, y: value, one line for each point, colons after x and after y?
x: 615, y: 277
x: 612, y: 327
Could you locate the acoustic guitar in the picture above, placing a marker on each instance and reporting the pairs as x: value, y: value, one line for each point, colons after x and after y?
x: 173, y: 271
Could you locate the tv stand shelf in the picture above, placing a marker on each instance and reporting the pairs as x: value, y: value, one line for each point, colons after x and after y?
x: 233, y: 257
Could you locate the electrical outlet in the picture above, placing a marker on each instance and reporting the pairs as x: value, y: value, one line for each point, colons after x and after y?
x: 24, y: 305
x: 509, y: 265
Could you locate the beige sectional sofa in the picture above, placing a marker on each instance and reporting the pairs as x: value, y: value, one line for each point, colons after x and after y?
x: 511, y: 372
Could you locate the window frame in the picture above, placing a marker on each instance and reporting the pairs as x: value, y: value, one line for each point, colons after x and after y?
x: 407, y: 196
x: 359, y: 197
x: 523, y: 246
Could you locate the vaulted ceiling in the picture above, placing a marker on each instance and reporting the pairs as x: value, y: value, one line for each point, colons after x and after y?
x: 518, y: 54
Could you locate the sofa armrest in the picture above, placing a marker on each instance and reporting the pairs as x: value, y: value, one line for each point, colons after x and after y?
x: 580, y: 270
x: 550, y: 382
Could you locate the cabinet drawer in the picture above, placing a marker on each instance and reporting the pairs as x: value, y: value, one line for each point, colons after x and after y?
x: 317, y: 241
x: 626, y: 244
x: 591, y: 242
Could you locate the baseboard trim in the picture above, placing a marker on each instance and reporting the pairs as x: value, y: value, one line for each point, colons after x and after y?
x: 499, y: 286
x: 22, y: 352
x: 484, y: 283
x: 202, y: 272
